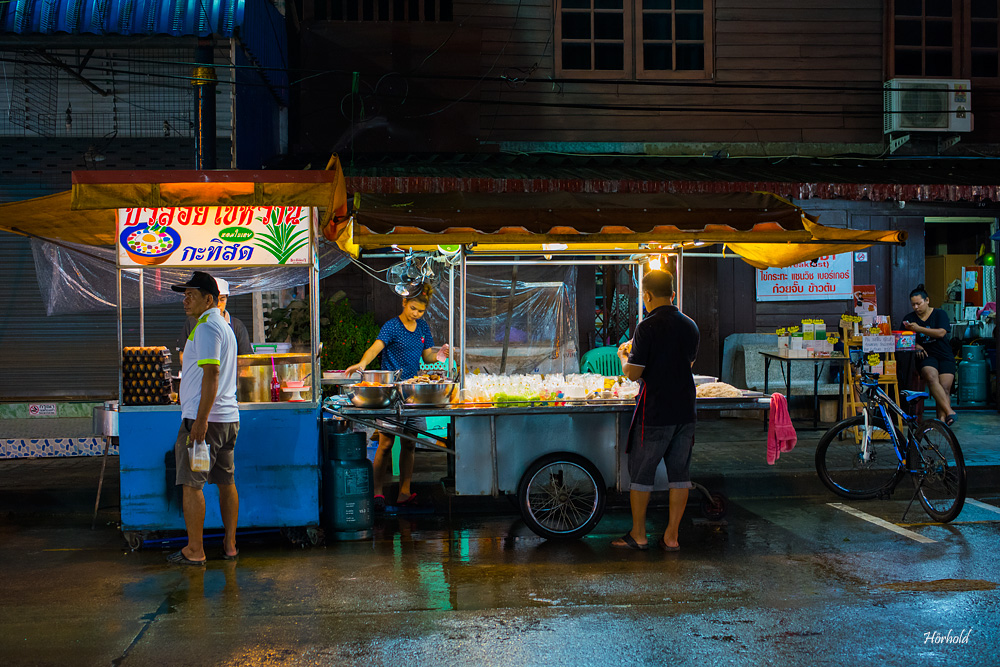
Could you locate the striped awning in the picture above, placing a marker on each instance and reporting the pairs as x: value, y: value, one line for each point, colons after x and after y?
x: 178, y: 18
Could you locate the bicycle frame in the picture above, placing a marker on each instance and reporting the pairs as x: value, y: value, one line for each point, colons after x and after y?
x: 875, y: 397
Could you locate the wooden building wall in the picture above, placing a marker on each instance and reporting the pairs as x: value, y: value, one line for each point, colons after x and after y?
x: 459, y: 85
x: 765, y: 43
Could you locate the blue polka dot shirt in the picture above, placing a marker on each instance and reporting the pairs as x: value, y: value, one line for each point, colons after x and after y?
x: 404, y: 349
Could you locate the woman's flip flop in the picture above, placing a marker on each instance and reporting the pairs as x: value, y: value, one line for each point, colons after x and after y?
x: 412, y: 500
x: 951, y: 419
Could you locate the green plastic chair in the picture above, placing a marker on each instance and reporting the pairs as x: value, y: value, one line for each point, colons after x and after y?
x: 603, y: 360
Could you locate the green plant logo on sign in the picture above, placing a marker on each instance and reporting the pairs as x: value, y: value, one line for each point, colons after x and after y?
x: 236, y: 234
x: 282, y: 240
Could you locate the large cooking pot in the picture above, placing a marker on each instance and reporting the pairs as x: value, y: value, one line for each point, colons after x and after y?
x: 382, y: 377
x: 255, y: 370
x: 371, y: 397
x: 428, y: 393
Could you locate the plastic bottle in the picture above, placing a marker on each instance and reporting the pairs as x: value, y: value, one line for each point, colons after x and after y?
x: 275, y: 387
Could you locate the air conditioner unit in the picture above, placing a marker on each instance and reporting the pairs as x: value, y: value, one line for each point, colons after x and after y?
x: 927, y: 105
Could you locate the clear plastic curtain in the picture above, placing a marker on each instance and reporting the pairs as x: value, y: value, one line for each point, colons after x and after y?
x: 77, y: 279
x: 537, y: 319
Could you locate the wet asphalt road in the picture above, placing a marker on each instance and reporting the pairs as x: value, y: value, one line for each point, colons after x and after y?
x: 779, y: 582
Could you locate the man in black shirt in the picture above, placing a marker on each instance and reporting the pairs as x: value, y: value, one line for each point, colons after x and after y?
x: 662, y: 352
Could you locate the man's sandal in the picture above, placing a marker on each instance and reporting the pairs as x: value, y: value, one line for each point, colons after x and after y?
x: 178, y: 558
x: 666, y: 547
x: 630, y: 543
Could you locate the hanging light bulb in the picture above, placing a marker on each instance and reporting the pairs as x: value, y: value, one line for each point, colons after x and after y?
x: 655, y: 263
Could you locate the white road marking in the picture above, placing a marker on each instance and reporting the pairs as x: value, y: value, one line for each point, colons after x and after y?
x: 985, y: 506
x: 882, y: 523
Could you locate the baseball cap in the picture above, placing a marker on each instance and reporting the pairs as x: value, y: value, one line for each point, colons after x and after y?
x: 223, y: 286
x: 199, y: 280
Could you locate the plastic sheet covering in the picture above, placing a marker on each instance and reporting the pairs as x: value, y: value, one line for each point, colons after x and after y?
x: 77, y: 278
x: 539, y: 321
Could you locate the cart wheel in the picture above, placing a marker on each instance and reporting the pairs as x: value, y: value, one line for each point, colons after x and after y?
x: 134, y: 539
x: 561, y: 496
x: 295, y: 534
x: 714, y: 507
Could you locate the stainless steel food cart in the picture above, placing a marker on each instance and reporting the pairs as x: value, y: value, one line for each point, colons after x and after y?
x: 559, y: 461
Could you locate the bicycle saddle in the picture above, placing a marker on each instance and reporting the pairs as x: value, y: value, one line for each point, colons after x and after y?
x: 910, y: 395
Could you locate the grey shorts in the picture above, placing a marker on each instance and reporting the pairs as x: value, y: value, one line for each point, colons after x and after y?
x: 221, y: 439
x: 670, y: 444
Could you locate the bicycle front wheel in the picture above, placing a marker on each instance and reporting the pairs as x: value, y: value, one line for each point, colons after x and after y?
x: 857, y: 464
x: 940, y: 475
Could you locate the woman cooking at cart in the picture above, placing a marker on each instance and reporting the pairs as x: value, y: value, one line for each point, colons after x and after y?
x: 403, y: 341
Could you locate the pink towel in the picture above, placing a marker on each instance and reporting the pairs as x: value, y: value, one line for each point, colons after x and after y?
x: 780, y: 432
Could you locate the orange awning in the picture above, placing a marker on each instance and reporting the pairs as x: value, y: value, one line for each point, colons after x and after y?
x: 86, y: 215
x: 764, y: 229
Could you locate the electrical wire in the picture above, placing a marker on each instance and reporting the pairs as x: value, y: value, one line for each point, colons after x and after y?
x: 369, y: 271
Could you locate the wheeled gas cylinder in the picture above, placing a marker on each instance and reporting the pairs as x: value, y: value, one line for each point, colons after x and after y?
x: 348, y: 486
x: 972, y: 376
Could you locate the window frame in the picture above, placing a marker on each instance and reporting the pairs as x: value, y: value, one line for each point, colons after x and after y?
x: 705, y: 74
x: 961, y: 46
x: 632, y: 44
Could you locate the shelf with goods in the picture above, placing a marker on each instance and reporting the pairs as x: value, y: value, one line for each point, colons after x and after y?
x: 888, y: 378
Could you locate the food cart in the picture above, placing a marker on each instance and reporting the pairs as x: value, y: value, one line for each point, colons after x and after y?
x: 560, y: 459
x: 231, y: 224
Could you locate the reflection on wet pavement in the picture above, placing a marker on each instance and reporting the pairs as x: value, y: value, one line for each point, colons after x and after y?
x: 781, y: 581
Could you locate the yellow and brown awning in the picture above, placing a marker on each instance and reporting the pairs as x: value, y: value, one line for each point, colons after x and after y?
x: 86, y: 215
x: 764, y: 229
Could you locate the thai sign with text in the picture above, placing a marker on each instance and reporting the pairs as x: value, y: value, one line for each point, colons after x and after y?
x: 827, y: 278
x: 213, y: 236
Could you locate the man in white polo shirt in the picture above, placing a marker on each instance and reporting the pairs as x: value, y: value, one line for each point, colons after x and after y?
x: 210, y: 413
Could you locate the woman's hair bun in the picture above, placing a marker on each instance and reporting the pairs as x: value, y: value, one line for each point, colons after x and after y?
x: 920, y: 287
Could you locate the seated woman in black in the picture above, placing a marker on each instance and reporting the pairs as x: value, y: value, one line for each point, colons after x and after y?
x: 935, y: 359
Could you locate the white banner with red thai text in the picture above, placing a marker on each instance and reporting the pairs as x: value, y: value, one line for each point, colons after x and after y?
x: 214, y: 236
x: 828, y: 278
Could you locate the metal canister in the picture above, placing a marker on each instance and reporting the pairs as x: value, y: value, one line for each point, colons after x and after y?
x: 972, y: 377
x: 348, y: 486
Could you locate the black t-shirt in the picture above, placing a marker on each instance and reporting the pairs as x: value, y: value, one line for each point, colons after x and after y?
x: 665, y: 344
x: 935, y: 347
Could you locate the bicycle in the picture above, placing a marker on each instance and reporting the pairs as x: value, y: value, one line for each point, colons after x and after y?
x: 866, y: 456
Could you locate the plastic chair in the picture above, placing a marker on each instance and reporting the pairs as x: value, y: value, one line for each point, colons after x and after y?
x: 603, y: 360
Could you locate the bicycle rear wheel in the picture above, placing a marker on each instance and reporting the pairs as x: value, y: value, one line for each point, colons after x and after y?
x: 851, y: 470
x: 941, y: 481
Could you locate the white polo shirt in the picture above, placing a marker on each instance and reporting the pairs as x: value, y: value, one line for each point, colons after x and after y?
x: 212, y: 341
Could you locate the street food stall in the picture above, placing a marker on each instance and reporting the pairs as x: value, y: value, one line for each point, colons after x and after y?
x: 236, y: 225
x: 559, y: 453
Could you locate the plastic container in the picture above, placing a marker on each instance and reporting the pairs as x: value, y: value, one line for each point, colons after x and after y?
x: 199, y: 458
x: 275, y: 387
x: 905, y: 340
